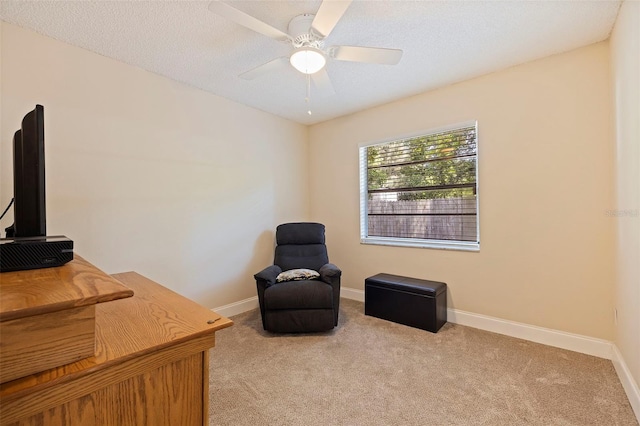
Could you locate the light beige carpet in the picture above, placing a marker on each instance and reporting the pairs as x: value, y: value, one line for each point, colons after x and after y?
x: 369, y: 371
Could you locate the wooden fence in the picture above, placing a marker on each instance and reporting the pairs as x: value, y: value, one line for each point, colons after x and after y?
x: 441, y: 218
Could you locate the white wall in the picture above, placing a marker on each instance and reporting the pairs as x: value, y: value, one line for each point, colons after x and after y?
x: 149, y: 175
x: 625, y: 60
x: 545, y: 180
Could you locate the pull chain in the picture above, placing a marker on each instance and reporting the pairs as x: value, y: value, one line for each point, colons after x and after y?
x: 308, y: 98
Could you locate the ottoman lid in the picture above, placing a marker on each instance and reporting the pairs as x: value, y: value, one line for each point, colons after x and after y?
x: 397, y: 282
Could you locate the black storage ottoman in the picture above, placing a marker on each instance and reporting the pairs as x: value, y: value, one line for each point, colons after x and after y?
x: 409, y: 301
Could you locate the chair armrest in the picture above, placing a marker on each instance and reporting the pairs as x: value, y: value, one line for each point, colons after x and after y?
x: 328, y: 272
x: 268, y: 275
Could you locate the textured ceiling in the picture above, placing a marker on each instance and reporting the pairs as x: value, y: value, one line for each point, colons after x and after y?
x: 443, y: 42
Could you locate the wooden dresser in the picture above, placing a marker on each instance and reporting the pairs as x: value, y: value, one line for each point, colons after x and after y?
x: 150, y: 365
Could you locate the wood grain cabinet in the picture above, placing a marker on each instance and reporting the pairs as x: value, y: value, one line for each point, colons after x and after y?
x: 150, y: 365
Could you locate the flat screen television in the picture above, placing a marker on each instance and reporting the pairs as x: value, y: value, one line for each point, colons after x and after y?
x: 29, y: 209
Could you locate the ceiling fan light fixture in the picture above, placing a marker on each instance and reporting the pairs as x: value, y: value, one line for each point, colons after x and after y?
x: 308, y: 60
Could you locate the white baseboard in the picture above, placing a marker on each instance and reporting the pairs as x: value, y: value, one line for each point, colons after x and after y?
x: 628, y: 383
x: 237, y: 307
x: 352, y: 293
x: 546, y: 336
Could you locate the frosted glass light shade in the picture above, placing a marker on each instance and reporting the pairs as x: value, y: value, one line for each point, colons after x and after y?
x: 308, y: 60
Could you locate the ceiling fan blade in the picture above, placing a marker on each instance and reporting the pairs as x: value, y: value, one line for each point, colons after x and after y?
x: 247, y: 21
x: 260, y: 70
x: 372, y: 55
x: 328, y: 15
x: 322, y: 82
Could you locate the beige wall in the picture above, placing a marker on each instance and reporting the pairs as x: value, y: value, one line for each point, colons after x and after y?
x: 147, y: 174
x: 545, y: 179
x: 625, y: 60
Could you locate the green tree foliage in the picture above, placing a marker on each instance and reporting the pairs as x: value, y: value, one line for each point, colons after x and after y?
x: 376, y: 177
x: 428, y: 161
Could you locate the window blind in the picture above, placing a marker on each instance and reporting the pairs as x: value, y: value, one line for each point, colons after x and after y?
x: 423, y: 187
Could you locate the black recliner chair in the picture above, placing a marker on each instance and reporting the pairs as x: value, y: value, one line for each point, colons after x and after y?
x: 301, y: 305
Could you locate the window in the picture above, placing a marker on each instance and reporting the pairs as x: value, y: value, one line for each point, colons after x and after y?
x: 421, y: 191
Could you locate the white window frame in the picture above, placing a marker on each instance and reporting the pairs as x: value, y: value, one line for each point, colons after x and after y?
x: 414, y: 242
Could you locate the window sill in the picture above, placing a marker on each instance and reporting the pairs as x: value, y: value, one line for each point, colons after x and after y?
x: 435, y: 244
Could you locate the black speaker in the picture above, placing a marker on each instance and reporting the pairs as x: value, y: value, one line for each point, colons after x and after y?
x: 18, y: 254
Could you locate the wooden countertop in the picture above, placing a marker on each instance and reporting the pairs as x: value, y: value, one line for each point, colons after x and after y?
x: 41, y: 291
x: 153, y: 319
x: 162, y: 317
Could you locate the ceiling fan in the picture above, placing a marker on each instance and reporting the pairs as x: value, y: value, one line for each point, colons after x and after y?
x: 306, y: 34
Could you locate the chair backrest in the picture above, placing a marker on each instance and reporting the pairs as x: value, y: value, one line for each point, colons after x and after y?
x: 300, y: 245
